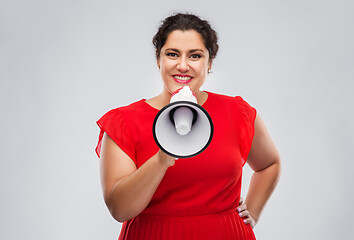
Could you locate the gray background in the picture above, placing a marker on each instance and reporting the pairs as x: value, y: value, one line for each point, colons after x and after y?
x: 65, y: 63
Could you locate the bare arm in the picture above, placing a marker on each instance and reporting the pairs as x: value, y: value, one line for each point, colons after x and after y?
x: 264, y: 159
x: 128, y: 190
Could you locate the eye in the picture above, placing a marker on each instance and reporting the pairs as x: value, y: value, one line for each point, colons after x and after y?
x: 171, y: 54
x: 195, y: 56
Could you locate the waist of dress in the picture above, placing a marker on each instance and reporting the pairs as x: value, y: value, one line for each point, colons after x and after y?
x: 225, y: 225
x: 189, y: 217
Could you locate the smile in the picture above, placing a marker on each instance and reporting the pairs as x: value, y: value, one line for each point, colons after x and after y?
x: 182, y: 78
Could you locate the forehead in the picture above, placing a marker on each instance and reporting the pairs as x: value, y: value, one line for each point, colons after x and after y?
x: 189, y: 39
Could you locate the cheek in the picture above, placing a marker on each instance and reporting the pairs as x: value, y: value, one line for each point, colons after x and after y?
x: 165, y: 66
x: 166, y: 63
x: 202, y: 69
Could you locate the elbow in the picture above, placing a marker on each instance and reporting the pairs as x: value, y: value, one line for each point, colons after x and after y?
x: 276, y: 165
x: 275, y: 169
x: 119, y: 217
x: 276, y: 159
x: 118, y: 214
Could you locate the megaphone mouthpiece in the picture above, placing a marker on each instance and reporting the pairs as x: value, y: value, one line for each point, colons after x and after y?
x: 183, y: 118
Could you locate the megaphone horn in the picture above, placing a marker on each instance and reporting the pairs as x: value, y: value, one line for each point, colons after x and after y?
x: 183, y: 129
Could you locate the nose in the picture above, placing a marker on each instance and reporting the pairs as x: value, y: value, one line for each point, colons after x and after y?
x: 183, y: 66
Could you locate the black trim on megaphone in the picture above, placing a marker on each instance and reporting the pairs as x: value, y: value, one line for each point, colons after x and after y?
x: 187, y: 103
x: 172, y: 113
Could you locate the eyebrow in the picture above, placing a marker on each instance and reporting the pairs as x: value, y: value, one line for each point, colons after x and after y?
x: 191, y: 51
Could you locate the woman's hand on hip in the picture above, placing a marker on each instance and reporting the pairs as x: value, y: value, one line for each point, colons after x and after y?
x: 245, y: 214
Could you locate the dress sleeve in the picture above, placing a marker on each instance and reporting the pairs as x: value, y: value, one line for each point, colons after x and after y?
x: 115, y: 126
x: 247, y: 118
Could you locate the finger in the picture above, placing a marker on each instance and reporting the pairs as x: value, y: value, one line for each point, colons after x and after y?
x: 245, y: 214
x: 241, y: 201
x: 242, y: 207
x: 253, y: 223
x: 250, y: 221
x: 246, y: 221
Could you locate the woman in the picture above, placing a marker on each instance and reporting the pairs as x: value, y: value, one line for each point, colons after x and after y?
x: 159, y: 197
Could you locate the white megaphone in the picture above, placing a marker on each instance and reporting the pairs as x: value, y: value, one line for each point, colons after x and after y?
x: 183, y: 128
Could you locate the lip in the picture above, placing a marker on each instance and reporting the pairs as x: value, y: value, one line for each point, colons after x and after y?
x: 182, y: 81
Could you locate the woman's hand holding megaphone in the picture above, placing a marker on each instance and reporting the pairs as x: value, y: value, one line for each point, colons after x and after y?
x: 165, y: 159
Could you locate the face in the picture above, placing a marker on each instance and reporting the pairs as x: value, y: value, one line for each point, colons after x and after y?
x: 183, y: 61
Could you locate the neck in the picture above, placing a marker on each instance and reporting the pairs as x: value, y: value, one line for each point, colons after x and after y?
x: 164, y: 98
x: 201, y: 96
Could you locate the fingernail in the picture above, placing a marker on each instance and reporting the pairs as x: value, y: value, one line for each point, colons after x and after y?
x: 245, y: 221
x: 240, y: 214
x: 238, y: 209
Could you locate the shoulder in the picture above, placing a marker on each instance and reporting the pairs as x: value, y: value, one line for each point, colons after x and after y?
x: 219, y: 97
x: 135, y: 106
x: 120, y: 116
x: 127, y: 109
x: 227, y: 99
x: 117, y: 124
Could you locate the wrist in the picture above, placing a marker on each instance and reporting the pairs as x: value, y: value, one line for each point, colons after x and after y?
x: 254, y: 216
x: 164, y: 159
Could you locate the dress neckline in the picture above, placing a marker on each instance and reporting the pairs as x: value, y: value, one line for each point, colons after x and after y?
x: 203, y: 105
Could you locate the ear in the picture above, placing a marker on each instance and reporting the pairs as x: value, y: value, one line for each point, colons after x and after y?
x: 210, y: 64
x: 158, y: 62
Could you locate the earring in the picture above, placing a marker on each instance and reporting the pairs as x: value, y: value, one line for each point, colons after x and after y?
x: 209, y: 70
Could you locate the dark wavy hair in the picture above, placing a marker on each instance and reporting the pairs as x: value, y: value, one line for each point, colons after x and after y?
x: 184, y: 22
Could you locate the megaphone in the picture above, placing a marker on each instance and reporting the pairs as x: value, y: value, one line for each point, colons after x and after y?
x: 183, y: 128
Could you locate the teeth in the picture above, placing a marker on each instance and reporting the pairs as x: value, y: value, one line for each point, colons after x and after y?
x: 182, y: 78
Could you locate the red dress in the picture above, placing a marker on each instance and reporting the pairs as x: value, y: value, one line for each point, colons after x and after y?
x: 198, y: 196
